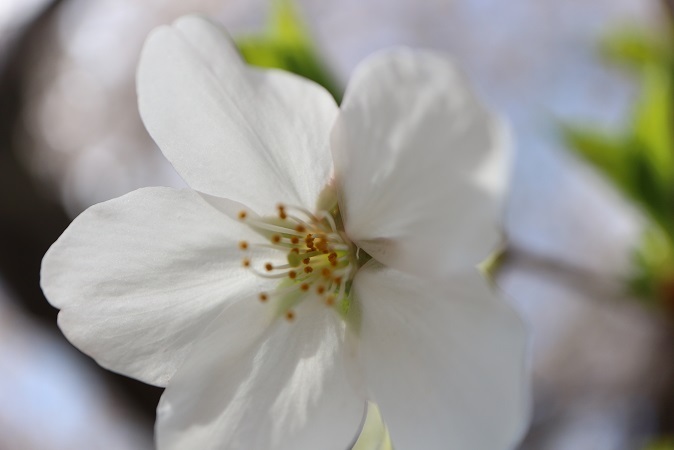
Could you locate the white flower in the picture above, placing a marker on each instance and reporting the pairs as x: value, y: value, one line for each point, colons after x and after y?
x: 395, y: 196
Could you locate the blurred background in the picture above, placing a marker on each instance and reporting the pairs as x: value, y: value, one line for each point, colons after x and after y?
x: 587, y: 86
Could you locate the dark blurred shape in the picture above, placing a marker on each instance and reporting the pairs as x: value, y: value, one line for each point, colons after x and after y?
x: 669, y: 7
x: 31, y: 220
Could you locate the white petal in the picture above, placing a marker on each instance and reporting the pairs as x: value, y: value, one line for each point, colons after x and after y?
x: 446, y: 366
x: 283, y: 390
x: 138, y: 278
x: 420, y: 164
x: 257, y: 137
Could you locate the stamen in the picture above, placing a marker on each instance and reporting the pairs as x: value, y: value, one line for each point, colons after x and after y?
x: 272, y: 246
x: 309, y: 241
x: 318, y: 257
x: 306, y: 212
x: 270, y: 276
x: 328, y: 217
x: 281, y: 212
x: 273, y: 228
x: 299, y: 222
x: 321, y: 244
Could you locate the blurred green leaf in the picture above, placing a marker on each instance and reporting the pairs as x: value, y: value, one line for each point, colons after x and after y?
x: 639, y: 160
x: 606, y: 153
x: 286, y: 44
x: 654, y: 123
x: 641, y: 163
x: 653, y: 197
x: 654, y: 264
x: 635, y: 47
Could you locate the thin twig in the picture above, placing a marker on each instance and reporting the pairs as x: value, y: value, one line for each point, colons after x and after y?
x: 598, y: 285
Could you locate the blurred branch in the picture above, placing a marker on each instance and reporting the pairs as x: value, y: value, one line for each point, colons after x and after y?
x: 597, y: 285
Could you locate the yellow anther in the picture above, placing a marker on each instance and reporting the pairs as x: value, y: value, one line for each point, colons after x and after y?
x: 292, y: 274
x: 320, y: 289
x: 290, y: 316
x: 263, y: 297
x: 306, y: 260
x: 243, y: 245
x: 304, y: 287
x: 321, y: 244
x: 242, y: 215
x: 300, y: 228
x: 327, y: 273
x: 308, y: 269
x: 330, y: 300
x: 246, y: 262
x: 269, y: 267
x: 295, y: 240
x: 282, y: 212
x: 276, y: 239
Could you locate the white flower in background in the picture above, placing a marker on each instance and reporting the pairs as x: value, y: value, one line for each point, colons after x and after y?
x: 325, y: 257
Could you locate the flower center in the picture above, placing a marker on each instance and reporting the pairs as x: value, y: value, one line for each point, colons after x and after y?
x: 320, y: 261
